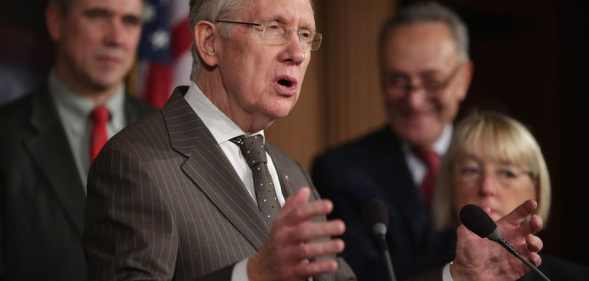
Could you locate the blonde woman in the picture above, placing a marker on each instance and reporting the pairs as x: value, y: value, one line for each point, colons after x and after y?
x: 494, y: 162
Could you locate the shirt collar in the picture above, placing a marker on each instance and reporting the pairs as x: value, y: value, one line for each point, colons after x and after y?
x: 220, y: 125
x: 443, y: 142
x: 440, y: 146
x: 80, y: 106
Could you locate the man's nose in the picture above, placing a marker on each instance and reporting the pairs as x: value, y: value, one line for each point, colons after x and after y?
x: 416, y: 95
x: 295, y: 50
x: 115, y: 33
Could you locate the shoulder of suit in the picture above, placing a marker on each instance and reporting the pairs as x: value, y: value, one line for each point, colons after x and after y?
x: 360, y: 147
x: 139, y: 104
x: 18, y: 112
x: 560, y: 269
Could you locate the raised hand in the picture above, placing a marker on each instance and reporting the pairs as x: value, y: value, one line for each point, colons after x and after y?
x: 297, y: 241
x: 481, y: 259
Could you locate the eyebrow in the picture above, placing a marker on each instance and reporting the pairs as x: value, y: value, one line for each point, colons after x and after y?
x: 284, y: 21
x: 105, y: 11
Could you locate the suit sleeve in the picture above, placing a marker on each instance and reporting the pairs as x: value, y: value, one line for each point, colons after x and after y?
x: 334, y: 184
x: 130, y: 230
x: 344, y: 272
x: 2, y: 219
x: 10, y: 179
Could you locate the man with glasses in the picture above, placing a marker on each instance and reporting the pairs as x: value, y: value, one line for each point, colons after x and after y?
x: 193, y: 192
x: 425, y: 74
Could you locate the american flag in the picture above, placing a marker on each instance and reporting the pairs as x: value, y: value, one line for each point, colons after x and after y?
x: 164, y: 49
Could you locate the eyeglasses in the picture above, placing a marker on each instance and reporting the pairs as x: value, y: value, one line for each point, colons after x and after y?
x: 471, y: 173
x: 276, y: 34
x: 402, y: 83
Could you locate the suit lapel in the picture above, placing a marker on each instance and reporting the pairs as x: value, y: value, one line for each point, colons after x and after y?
x: 286, y: 183
x: 404, y: 193
x: 207, y: 166
x: 50, y: 150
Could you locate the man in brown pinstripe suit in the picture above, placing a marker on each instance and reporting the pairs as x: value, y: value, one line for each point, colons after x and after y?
x: 172, y: 197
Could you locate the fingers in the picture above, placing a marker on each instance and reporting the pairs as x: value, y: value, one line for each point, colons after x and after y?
x: 300, y: 246
x: 520, y: 222
x: 520, y: 213
x: 314, y: 230
x: 306, y: 211
x: 535, y: 259
x: 297, y: 209
x: 535, y: 224
x: 304, y: 251
x: 300, y: 197
x: 314, y: 268
x: 534, y: 243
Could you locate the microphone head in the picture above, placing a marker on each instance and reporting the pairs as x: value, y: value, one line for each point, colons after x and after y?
x: 477, y: 221
x: 376, y: 214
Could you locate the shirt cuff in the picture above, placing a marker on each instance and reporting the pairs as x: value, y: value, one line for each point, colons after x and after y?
x: 446, y: 275
x: 239, y: 272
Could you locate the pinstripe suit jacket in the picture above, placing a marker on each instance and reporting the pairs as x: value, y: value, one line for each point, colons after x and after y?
x: 164, y: 203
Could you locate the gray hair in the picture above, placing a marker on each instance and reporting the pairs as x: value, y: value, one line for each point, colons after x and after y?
x: 209, y: 10
x: 427, y: 12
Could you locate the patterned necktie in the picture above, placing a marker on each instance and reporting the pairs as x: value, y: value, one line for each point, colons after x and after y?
x: 99, y: 134
x: 254, y: 153
x: 432, y: 162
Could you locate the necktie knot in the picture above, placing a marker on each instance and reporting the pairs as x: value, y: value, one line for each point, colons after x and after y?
x: 429, y: 157
x: 100, y: 114
x: 252, y: 148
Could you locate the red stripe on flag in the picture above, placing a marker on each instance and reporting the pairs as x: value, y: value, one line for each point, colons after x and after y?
x: 158, y: 84
x: 181, y: 38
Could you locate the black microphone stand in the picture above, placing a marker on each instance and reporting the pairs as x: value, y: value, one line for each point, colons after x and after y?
x: 382, y: 244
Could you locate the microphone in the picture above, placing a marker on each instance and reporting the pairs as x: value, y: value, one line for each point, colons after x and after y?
x: 377, y: 215
x: 477, y: 221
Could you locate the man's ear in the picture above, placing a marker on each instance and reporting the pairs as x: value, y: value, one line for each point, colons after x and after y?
x: 54, y: 18
x: 204, y: 39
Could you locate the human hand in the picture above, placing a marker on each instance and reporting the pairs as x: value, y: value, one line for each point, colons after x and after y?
x: 482, y: 259
x: 296, y: 242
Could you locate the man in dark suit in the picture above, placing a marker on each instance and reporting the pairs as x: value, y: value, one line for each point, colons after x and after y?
x: 45, y: 143
x: 194, y: 193
x: 425, y: 73
x: 174, y: 197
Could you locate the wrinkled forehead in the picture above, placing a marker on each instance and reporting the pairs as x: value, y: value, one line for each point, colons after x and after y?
x: 296, y: 12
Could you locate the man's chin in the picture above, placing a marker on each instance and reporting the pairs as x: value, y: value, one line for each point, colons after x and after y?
x: 422, y: 138
x: 105, y: 83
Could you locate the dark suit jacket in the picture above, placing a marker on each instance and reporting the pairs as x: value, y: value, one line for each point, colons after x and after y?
x: 559, y: 269
x: 164, y: 203
x: 41, y: 193
x: 374, y: 166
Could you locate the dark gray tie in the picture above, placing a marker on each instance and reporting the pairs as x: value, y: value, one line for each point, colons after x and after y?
x: 254, y: 153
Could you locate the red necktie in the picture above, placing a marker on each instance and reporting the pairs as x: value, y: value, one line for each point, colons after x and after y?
x: 432, y: 162
x: 98, y: 135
